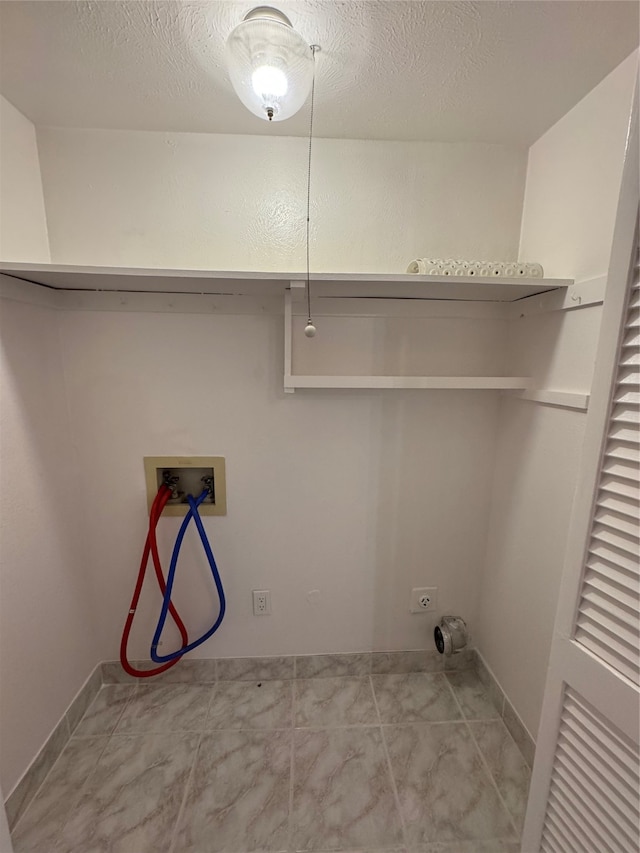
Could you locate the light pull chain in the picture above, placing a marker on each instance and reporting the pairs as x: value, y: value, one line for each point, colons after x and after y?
x: 310, y: 329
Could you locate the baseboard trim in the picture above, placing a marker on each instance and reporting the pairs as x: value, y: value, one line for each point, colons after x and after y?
x: 517, y: 729
x: 33, y: 777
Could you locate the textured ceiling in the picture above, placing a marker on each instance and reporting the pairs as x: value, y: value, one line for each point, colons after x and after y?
x: 389, y: 69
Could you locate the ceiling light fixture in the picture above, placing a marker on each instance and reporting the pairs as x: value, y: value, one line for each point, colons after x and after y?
x: 270, y: 64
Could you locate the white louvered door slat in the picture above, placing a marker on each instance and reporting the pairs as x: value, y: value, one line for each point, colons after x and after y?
x: 595, y: 592
x: 594, y: 788
x: 585, y: 787
x: 615, y: 501
x: 616, y: 541
x: 616, y: 521
x: 607, y: 626
x: 578, y: 771
x: 617, y: 560
x: 593, y: 793
x: 619, y: 450
x: 596, y: 578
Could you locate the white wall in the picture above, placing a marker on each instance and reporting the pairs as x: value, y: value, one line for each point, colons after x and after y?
x: 46, y: 616
x: 573, y: 181
x: 5, y: 838
x: 23, y: 225
x: 239, y: 202
x: 358, y: 495
x: 352, y: 495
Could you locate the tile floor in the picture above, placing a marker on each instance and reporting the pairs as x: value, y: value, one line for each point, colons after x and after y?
x: 405, y: 763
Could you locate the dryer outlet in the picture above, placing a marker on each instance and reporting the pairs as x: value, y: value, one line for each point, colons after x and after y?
x: 423, y: 599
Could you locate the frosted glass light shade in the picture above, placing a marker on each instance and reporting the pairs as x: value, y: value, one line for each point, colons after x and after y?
x: 270, y: 65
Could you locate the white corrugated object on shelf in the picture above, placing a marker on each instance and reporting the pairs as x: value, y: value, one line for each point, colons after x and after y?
x: 608, y: 620
x: 471, y: 269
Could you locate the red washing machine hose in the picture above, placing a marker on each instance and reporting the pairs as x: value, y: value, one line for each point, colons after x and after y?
x: 151, y: 547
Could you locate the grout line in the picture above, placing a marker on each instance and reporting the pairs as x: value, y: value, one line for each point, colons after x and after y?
x: 485, y: 763
x: 214, y: 692
x: 294, y: 703
x: 134, y: 695
x: 64, y: 719
x: 457, y: 722
x: 83, y: 786
x: 64, y: 722
x: 349, y: 727
x: 70, y: 733
x: 394, y: 787
x: 183, y: 803
x: 462, y: 718
x: 291, y: 766
x: 495, y: 784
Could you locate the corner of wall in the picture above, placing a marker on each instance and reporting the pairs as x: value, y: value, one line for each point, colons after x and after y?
x: 24, y: 233
x: 577, y: 165
x: 574, y: 174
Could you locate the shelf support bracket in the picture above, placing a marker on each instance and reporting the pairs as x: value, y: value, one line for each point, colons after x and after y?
x: 294, y: 289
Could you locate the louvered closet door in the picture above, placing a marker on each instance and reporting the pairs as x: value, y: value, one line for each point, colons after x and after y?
x: 608, y: 620
x: 585, y: 787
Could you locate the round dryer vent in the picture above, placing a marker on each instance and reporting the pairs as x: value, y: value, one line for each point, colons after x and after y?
x: 450, y: 635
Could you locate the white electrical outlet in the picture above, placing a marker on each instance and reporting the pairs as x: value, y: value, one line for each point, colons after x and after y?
x: 261, y: 602
x: 423, y: 599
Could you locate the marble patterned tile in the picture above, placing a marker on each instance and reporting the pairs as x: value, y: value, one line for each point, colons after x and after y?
x: 255, y: 669
x: 466, y: 659
x: 35, y: 775
x: 334, y: 702
x: 414, y: 697
x: 84, y: 698
x: 113, y: 673
x: 383, y: 663
x: 103, y: 714
x: 251, y: 705
x: 342, y: 793
x: 172, y: 708
x: 470, y: 692
x: 40, y: 826
x: 518, y: 732
x: 495, y: 845
x: 444, y: 790
x: 491, y: 686
x: 333, y: 666
x: 507, y: 765
x: 238, y: 799
x: 202, y: 671
x: 132, y: 800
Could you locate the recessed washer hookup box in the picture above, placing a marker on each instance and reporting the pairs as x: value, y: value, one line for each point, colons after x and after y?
x: 187, y: 475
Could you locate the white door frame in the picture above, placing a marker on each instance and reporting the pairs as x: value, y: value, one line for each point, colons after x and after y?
x: 611, y: 693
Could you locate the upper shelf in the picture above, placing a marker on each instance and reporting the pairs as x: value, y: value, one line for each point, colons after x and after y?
x: 334, y: 285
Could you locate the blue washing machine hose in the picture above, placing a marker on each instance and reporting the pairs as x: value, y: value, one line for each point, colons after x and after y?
x: 192, y: 515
